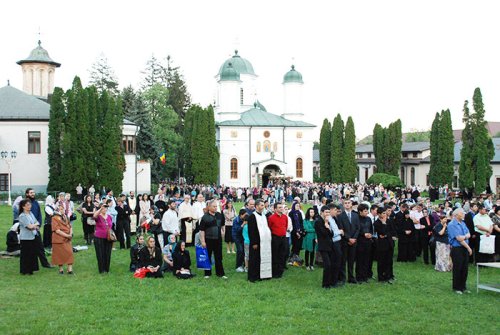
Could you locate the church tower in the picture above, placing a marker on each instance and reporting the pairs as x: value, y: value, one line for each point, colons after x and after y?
x: 292, y: 85
x: 38, y: 72
x: 229, y: 94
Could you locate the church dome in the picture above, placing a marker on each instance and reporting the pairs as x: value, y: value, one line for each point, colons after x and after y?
x: 39, y: 55
x: 241, y: 65
x: 292, y: 76
x: 228, y: 73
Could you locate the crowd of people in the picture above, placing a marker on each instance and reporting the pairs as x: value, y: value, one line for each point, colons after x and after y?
x: 344, y: 228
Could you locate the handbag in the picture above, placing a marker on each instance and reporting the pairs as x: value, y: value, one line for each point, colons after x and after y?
x: 111, y: 235
x: 487, y: 244
x: 90, y: 221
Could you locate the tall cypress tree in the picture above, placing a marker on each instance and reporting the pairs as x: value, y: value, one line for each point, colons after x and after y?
x: 483, y: 144
x: 349, y: 166
x: 467, y: 168
x: 188, y: 137
x: 325, y: 147
x: 56, y: 130
x: 378, y: 147
x: 446, y: 149
x: 337, y: 156
x: 93, y: 112
x: 211, y: 139
x: 392, y: 148
x: 435, y: 167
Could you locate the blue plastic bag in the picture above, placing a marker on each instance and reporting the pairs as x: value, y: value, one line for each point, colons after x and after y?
x: 202, y: 259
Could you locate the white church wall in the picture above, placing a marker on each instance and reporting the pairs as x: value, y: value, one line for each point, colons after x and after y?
x: 299, y: 143
x: 233, y: 143
x: 27, y: 170
x: 275, y: 136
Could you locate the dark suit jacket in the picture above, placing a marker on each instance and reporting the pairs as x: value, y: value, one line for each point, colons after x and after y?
x: 351, y: 229
x: 324, y: 235
x: 427, y: 232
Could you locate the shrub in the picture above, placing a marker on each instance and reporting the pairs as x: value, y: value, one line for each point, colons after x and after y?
x: 389, y: 181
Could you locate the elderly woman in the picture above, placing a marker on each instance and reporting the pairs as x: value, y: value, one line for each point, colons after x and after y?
x: 47, y: 226
x: 29, y: 233
x: 62, y: 234
x: 443, y: 259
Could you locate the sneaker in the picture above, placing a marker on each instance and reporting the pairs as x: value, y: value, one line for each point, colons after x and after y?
x: 312, y: 268
x: 240, y: 269
x: 206, y: 277
x: 307, y: 268
x: 224, y: 277
x: 246, y: 269
x: 459, y: 292
x: 228, y: 252
x: 233, y: 252
x: 467, y: 291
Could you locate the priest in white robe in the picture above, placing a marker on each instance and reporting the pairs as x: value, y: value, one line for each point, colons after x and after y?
x: 260, y: 260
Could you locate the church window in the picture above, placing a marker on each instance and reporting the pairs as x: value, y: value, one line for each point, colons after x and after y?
x: 34, y: 142
x: 241, y: 96
x: 275, y: 146
x: 128, y: 144
x: 258, y: 146
x: 267, y: 146
x: 298, y: 167
x: 299, y: 134
x: 234, y: 133
x: 234, y: 168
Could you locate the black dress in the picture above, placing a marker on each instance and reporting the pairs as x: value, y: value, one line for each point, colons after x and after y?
x: 147, y: 259
x: 385, y: 250
x: 182, y: 260
x: 134, y: 257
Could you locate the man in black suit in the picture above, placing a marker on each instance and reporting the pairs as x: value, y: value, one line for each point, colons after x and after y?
x: 324, y: 235
x: 469, y: 222
x: 349, y: 223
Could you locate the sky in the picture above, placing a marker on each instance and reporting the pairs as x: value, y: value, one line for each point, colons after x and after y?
x: 373, y: 60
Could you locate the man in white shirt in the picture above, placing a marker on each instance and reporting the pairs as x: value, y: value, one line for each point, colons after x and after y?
x: 186, y: 217
x: 170, y: 221
x: 198, y: 211
x: 415, y: 215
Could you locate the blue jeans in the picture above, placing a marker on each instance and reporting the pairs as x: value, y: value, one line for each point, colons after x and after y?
x: 240, y: 253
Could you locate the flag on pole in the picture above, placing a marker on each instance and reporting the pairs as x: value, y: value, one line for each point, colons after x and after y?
x: 163, y: 158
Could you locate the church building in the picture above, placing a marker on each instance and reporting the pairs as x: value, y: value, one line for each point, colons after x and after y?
x: 257, y: 146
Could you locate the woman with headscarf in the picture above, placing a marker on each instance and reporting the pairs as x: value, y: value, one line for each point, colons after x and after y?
x: 15, y: 208
x: 298, y: 229
x: 47, y: 227
x: 182, y: 262
x: 62, y: 234
x: 134, y: 253
x: 150, y: 258
x: 168, y: 252
x: 13, y: 245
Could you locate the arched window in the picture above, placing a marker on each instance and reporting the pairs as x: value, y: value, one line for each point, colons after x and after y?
x: 412, y: 175
x: 298, y: 167
x: 234, y: 168
x: 258, y: 147
x: 267, y: 146
x: 241, y: 96
x: 275, y: 147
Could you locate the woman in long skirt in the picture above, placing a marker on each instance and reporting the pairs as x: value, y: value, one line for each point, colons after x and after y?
x: 443, y: 258
x: 62, y: 234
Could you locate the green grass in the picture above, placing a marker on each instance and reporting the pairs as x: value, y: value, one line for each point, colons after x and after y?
x: 420, y: 302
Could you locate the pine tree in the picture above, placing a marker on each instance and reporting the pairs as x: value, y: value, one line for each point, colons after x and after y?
x: 446, y: 149
x: 56, y: 131
x: 128, y: 96
x: 349, y: 166
x: 466, y: 167
x: 378, y: 147
x: 178, y: 98
x: 435, y: 167
x: 103, y: 77
x: 337, y: 156
x: 325, y: 147
x: 154, y: 73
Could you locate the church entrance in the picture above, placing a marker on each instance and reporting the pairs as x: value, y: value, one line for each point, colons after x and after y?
x: 269, y: 171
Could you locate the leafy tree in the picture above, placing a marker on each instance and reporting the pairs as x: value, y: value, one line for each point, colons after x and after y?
x: 154, y: 73
x: 56, y: 131
x: 337, y: 155
x: 316, y: 145
x: 389, y: 181
x: 325, y: 148
x: 349, y: 166
x: 103, y: 77
x: 417, y: 136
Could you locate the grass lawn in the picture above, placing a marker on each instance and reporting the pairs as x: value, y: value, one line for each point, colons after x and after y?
x: 420, y: 302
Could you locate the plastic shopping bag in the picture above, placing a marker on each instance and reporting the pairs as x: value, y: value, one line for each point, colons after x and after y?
x: 487, y: 244
x: 141, y: 272
x: 202, y: 259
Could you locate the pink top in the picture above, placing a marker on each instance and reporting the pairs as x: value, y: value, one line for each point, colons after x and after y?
x: 102, y: 225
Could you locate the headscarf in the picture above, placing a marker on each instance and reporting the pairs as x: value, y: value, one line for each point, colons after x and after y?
x: 49, y: 200
x: 294, y: 213
x: 17, y: 201
x: 15, y: 227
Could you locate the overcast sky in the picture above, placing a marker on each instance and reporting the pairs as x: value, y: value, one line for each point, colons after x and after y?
x: 373, y: 60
